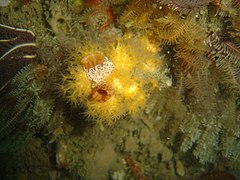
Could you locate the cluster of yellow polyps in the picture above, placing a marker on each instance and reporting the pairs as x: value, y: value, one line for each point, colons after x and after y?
x: 138, y: 69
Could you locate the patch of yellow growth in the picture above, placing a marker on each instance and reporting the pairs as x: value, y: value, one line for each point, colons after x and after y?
x: 137, y: 66
x: 76, y: 86
x: 78, y: 3
x: 106, y: 112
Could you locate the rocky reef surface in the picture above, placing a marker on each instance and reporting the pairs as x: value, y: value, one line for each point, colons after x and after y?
x: 126, y: 89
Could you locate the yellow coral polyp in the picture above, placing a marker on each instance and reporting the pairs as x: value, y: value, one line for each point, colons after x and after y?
x: 117, y: 84
x: 136, y: 65
x: 107, y: 112
x: 122, y: 58
x: 150, y: 66
x: 132, y: 90
x: 76, y: 87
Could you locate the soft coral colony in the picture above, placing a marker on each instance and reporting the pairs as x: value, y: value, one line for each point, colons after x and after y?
x: 114, y: 80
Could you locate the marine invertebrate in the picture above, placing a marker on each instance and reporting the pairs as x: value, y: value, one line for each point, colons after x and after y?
x: 199, y: 78
x: 216, y: 130
x: 186, y: 6
x: 17, y: 43
x: 236, y: 3
x: 192, y: 61
x: 111, y: 81
x: 200, y: 69
x: 160, y: 23
x: 101, y: 93
x: 227, y: 58
x: 100, y: 19
x: 191, y: 51
x: 224, y: 50
x: 136, y: 14
x: 97, y: 67
x: 26, y: 108
x: 18, y: 48
x: 98, y: 16
x: 27, y: 16
x: 170, y: 28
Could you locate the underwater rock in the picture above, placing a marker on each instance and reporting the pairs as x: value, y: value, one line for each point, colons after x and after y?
x: 118, y: 175
x: 130, y: 144
x: 149, y: 122
x: 179, y: 168
x: 166, y: 154
x: 219, y: 175
x: 145, y: 136
x: 61, y: 158
x: 157, y: 148
x: 100, y: 164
